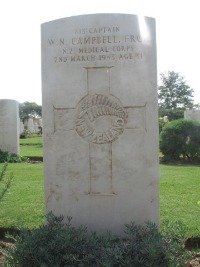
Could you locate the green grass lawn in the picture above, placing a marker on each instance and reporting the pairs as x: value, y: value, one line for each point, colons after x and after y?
x: 31, y: 150
x: 37, y: 140
x: 24, y: 202
x: 179, y: 194
x: 31, y: 147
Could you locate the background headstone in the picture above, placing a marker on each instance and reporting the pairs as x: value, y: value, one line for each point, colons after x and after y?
x: 193, y: 114
x: 100, y: 120
x: 9, y: 126
x: 165, y: 119
x: 30, y: 125
x: 21, y: 127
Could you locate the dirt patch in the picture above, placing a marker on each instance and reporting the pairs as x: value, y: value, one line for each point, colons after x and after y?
x: 7, y: 242
x: 34, y: 160
x: 192, y: 243
x: 3, y: 247
x: 195, y: 262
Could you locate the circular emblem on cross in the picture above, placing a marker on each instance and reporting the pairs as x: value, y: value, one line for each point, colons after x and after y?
x: 100, y: 118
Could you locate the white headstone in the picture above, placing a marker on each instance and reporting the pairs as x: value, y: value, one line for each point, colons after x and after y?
x: 38, y: 121
x: 30, y: 125
x: 21, y: 127
x: 26, y: 123
x: 193, y: 114
x: 9, y: 126
x: 100, y: 120
x: 165, y: 119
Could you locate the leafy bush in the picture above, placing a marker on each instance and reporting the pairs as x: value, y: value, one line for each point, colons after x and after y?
x: 174, y: 237
x: 172, y: 114
x: 57, y: 244
x: 180, y: 138
x: 145, y: 246
x: 26, y: 134
x: 162, y: 123
x: 6, y: 156
x: 5, y: 183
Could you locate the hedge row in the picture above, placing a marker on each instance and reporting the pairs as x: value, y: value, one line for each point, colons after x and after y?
x: 181, y: 139
x: 57, y: 244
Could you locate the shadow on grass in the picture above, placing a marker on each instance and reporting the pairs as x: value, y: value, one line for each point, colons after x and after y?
x: 8, y: 232
x: 35, y: 159
x: 190, y: 244
x: 180, y: 162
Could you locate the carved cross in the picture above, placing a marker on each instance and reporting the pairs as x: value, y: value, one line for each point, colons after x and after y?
x: 100, y: 119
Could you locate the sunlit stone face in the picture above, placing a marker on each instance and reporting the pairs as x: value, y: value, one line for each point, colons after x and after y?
x: 100, y: 120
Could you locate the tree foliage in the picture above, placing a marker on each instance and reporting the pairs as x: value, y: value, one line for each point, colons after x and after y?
x: 174, y: 92
x: 172, y: 114
x: 28, y: 109
x: 181, y: 138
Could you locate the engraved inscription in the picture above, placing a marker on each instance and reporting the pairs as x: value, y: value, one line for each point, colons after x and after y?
x: 97, y: 44
x: 99, y: 30
x: 100, y: 119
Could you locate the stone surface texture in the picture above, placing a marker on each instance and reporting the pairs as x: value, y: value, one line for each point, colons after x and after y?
x: 193, y: 114
x: 9, y: 125
x: 100, y: 122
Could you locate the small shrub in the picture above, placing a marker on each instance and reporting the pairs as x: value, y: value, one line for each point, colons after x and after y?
x: 22, y: 136
x: 162, y: 123
x: 25, y: 134
x: 57, y: 245
x: 145, y: 246
x: 174, y: 237
x: 172, y: 114
x: 180, y: 138
x: 5, y: 183
x: 6, y: 156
